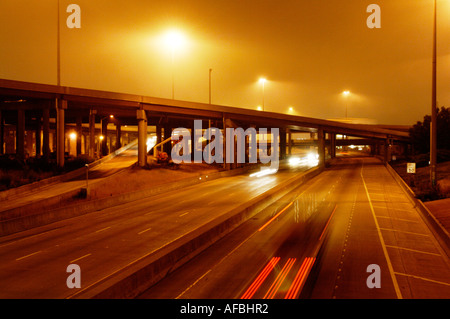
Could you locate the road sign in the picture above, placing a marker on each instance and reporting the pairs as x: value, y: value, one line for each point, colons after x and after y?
x: 411, y: 168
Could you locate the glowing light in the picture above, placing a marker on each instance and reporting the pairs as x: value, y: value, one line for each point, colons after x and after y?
x: 151, y: 141
x: 312, y: 159
x: 259, y: 108
x: 300, y: 278
x: 276, y: 216
x: 260, y: 279
x: 262, y: 81
x: 346, y: 93
x: 280, y: 278
x: 264, y: 172
x: 111, y: 116
x: 294, y: 161
x: 174, y: 40
x: 101, y: 137
x: 73, y: 136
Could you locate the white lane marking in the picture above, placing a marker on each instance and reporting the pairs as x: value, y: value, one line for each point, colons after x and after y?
x: 80, y: 258
x: 145, y: 230
x: 36, y: 252
x: 100, y: 230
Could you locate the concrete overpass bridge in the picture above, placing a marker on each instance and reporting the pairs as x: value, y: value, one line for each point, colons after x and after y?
x: 118, y: 246
x: 53, y: 112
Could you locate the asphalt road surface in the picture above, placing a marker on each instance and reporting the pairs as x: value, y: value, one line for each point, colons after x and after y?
x: 320, y: 242
x: 34, y: 262
x: 316, y: 242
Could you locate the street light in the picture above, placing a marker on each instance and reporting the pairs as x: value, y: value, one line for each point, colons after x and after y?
x: 263, y: 82
x: 433, y: 126
x: 346, y: 94
x: 210, y: 71
x: 73, y: 136
x: 174, y: 40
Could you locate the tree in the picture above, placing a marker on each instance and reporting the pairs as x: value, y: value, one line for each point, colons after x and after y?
x: 420, y: 132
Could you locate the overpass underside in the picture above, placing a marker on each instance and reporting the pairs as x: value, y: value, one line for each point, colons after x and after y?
x: 55, y: 122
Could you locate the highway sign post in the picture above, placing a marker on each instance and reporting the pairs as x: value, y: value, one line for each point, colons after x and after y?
x: 411, y: 168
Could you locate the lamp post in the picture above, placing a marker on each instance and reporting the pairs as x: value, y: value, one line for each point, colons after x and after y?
x: 263, y: 82
x: 58, y: 48
x: 210, y: 71
x: 174, y: 40
x: 346, y: 94
x: 433, y: 126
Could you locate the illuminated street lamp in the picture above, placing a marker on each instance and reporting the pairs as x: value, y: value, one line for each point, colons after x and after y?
x: 263, y: 83
x: 72, y: 143
x: 73, y: 136
x: 174, y: 40
x: 346, y: 94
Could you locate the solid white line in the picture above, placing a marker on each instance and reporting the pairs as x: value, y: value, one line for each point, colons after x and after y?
x: 97, y: 231
x: 145, y: 230
x: 380, y: 236
x: 80, y: 258
x: 28, y: 237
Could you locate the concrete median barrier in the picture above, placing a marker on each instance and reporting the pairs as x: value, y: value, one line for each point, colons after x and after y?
x: 51, y: 210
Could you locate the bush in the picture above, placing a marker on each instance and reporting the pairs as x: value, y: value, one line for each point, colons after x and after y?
x: 77, y: 162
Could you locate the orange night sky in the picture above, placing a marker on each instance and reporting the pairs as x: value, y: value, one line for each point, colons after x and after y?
x: 309, y: 51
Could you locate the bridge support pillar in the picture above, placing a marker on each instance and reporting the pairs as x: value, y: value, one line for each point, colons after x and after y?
x: 20, y: 135
x: 167, y: 133
x: 333, y: 145
x: 61, y: 106
x: 38, y: 129
x: 92, y: 113
x: 79, y: 130
x: 158, y: 140
x: 283, y: 144
x: 289, y: 143
x: 321, y: 146
x: 46, y: 133
x: 118, y: 135
x: 142, y: 137
x: 104, y: 141
x: 2, y: 128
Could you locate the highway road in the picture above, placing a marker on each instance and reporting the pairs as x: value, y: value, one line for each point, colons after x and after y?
x: 318, y: 242
x: 315, y: 242
x: 34, y: 262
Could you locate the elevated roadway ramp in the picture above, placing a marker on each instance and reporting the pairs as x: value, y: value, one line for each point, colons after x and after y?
x: 60, y: 190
